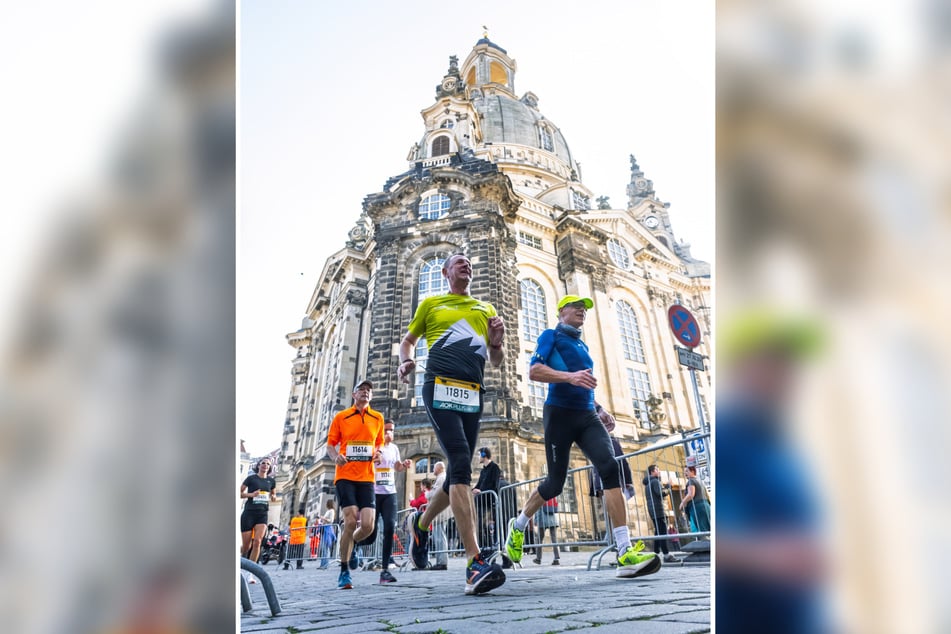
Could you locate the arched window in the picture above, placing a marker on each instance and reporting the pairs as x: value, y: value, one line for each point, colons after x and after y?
x: 431, y: 282
x: 533, y: 309
x: 533, y: 323
x: 497, y: 73
x: 440, y: 146
x: 547, y: 143
x: 630, y: 333
x: 434, y: 206
x: 446, y: 124
x: 618, y: 253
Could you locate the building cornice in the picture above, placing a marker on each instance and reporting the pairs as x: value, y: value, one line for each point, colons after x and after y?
x: 489, y: 183
x: 528, y: 223
x: 569, y: 220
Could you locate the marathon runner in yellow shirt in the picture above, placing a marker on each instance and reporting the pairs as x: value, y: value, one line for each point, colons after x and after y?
x: 461, y: 333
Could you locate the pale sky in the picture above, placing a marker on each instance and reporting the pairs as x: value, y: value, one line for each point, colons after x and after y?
x: 329, y: 103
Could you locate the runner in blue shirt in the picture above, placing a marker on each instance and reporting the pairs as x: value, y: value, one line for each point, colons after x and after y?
x: 561, y: 359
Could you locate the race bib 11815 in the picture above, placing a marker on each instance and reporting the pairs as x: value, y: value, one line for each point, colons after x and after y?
x: 459, y: 396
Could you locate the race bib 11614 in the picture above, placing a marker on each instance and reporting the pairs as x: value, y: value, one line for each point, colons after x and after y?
x: 359, y: 451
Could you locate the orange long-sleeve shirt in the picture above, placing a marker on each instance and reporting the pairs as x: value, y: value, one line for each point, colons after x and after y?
x: 359, y: 435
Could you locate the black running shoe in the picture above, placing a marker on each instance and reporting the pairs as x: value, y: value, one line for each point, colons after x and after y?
x: 481, y: 576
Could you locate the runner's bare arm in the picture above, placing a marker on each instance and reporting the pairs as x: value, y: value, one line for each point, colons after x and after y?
x: 495, y: 337
x: 544, y: 374
x: 407, y: 364
x: 335, y: 455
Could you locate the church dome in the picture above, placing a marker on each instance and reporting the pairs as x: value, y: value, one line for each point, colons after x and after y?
x: 506, y: 120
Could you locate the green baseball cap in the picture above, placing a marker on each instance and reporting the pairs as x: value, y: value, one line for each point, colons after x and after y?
x: 571, y: 299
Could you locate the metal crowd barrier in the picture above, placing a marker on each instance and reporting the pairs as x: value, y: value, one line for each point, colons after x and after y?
x: 404, y: 534
x: 444, y: 538
x: 670, y: 462
x: 370, y: 556
x: 579, y: 520
x: 321, y: 544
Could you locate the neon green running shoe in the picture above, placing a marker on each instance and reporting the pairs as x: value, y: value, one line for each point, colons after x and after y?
x: 632, y: 563
x: 513, y: 545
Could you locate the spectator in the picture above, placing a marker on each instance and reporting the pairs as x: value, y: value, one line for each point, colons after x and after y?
x: 298, y: 538
x: 489, y: 479
x: 674, y: 541
x: 696, y: 504
x: 420, y: 500
x: 328, y: 534
x: 654, y: 494
x: 439, y: 524
x: 546, y: 519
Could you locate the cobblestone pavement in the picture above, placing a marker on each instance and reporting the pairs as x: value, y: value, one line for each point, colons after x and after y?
x: 535, y: 598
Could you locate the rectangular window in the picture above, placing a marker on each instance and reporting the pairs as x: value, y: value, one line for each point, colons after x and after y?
x: 581, y: 201
x: 640, y: 386
x: 529, y: 240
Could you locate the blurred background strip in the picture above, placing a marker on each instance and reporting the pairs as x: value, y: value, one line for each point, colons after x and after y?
x: 833, y: 302
x: 117, y: 388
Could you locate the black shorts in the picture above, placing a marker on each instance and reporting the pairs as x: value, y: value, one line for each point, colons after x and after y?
x: 358, y: 494
x: 251, y: 518
x: 564, y: 427
x: 457, y: 434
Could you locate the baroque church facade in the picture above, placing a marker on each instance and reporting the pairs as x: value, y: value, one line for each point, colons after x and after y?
x: 493, y: 178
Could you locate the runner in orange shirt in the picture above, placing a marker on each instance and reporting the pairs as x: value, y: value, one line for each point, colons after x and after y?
x: 354, y: 440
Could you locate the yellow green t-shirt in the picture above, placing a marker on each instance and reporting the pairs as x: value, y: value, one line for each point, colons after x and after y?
x: 456, y: 331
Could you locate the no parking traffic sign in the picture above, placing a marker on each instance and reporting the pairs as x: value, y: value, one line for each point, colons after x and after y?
x: 684, y: 326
